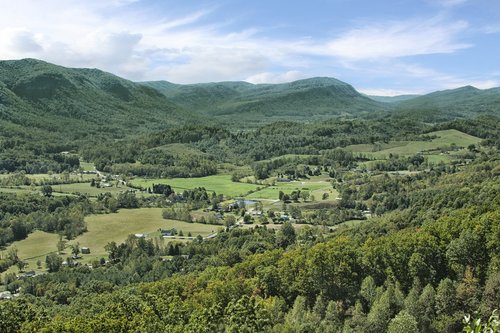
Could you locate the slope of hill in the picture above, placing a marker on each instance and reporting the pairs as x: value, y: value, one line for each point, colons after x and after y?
x: 310, y: 98
x: 464, y: 102
x: 80, y: 102
x: 392, y: 99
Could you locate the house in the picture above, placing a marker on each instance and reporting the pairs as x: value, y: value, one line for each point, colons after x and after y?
x: 168, y: 232
x: 257, y: 213
x: 28, y: 274
x: 85, y: 250
x: 140, y: 235
x: 284, y: 217
x: 5, y: 295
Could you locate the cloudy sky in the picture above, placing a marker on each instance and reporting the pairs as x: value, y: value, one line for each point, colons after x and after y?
x: 380, y: 47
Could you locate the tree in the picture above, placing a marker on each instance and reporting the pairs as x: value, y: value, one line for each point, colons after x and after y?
x: 403, y: 323
x: 229, y: 220
x: 61, y: 244
x: 47, y: 190
x: 75, y: 249
x: 286, y: 235
x: 53, y: 262
x: 21, y: 265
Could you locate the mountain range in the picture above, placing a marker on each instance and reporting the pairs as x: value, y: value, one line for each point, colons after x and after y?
x: 90, y: 102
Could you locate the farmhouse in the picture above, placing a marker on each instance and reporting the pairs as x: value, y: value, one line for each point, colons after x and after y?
x: 85, y: 250
x: 168, y: 232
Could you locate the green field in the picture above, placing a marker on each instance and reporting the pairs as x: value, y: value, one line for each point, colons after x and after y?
x: 85, y: 188
x: 445, y: 138
x: 106, y: 228
x: 315, y: 187
x: 85, y: 166
x: 35, y: 247
x: 221, y: 184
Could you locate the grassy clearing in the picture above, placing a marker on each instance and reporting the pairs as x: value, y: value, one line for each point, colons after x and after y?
x: 444, y: 138
x: 179, y: 149
x: 86, y: 166
x: 85, y: 188
x: 316, y: 188
x: 35, y: 247
x: 106, y: 228
x: 218, y: 183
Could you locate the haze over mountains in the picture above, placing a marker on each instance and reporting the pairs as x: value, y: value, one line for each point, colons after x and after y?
x: 83, y: 102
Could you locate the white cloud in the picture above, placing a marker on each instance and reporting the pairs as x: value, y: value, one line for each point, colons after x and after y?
x: 449, y: 3
x: 398, y: 39
x: 140, y: 45
x: 271, y: 77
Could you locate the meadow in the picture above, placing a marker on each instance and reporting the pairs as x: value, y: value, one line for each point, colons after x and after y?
x: 316, y: 187
x: 444, y: 139
x: 105, y: 228
x: 220, y: 184
x: 33, y: 248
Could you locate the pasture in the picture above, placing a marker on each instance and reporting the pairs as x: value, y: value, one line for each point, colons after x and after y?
x: 85, y: 188
x: 220, y: 184
x: 444, y: 138
x: 316, y: 186
x: 106, y: 228
x: 35, y: 247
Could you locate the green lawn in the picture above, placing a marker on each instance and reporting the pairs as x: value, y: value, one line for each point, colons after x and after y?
x: 221, y: 184
x: 106, y: 228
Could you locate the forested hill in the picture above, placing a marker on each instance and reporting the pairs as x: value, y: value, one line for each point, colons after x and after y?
x: 464, y: 102
x: 315, y: 97
x: 79, y: 103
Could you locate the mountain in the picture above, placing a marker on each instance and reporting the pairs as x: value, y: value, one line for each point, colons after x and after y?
x: 392, y: 99
x: 314, y: 98
x: 464, y: 102
x: 81, y: 102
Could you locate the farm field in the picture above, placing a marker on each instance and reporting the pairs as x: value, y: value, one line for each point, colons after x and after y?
x: 85, y: 166
x: 316, y: 186
x: 445, y: 138
x: 85, y: 188
x: 221, y: 184
x: 106, y: 228
x: 35, y: 247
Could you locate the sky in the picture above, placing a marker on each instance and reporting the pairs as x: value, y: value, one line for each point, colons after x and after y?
x: 387, y: 48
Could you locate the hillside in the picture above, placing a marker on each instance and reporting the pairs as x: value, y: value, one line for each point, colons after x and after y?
x: 392, y: 99
x: 80, y: 102
x: 315, y: 98
x: 464, y: 102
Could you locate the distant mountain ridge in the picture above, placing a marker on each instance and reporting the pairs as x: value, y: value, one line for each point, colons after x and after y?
x: 89, y: 102
x: 81, y: 101
x: 463, y: 102
x: 307, y: 98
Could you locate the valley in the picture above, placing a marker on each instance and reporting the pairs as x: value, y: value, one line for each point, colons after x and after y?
x: 187, y: 206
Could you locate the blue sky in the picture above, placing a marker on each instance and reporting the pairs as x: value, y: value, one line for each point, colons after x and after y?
x: 380, y: 47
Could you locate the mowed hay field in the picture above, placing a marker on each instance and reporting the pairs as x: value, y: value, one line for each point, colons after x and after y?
x: 444, y: 138
x: 220, y: 184
x: 106, y: 228
x: 316, y: 186
x: 85, y: 188
x: 35, y: 247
